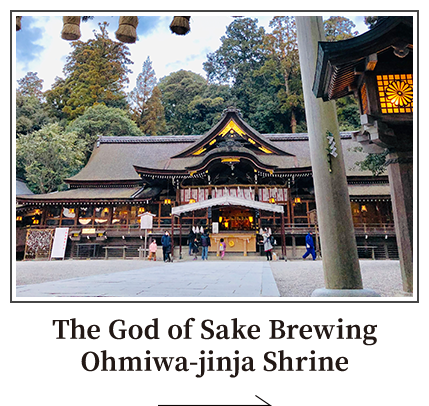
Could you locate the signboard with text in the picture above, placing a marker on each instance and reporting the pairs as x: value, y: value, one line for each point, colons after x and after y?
x: 60, y: 243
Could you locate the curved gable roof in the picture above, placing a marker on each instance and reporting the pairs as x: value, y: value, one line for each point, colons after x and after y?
x: 231, y: 123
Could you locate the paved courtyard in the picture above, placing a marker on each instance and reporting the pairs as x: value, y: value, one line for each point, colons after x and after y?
x: 194, y: 279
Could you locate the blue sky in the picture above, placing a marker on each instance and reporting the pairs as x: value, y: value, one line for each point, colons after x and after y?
x: 39, y: 47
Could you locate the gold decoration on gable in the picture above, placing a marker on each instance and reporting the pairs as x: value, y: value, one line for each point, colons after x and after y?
x: 232, y: 128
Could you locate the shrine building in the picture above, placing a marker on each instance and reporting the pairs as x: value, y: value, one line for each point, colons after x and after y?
x: 232, y: 181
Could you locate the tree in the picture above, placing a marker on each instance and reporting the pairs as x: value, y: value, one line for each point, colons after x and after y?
x: 139, y: 96
x: 31, y: 85
x: 370, y: 21
x: 348, y: 113
x: 102, y: 120
x: 30, y: 114
x: 48, y: 156
x: 154, y: 116
x: 95, y: 72
x: 281, y: 69
x: 339, y: 28
x: 178, y: 90
x: 376, y: 163
x: 239, y: 53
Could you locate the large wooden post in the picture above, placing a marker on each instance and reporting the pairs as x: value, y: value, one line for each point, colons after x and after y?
x: 400, y: 171
x: 283, y: 236
x: 339, y: 253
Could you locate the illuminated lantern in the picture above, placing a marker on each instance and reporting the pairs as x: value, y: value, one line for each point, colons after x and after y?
x: 297, y: 200
x: 192, y: 200
x: 272, y: 200
x: 363, y: 209
x: 377, y: 68
x: 167, y: 201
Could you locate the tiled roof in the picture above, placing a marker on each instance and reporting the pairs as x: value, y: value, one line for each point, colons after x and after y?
x: 114, y: 158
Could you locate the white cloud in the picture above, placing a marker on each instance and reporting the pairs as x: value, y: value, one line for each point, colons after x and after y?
x: 168, y: 52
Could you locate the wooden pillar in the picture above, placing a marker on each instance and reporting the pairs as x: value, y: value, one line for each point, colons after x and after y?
x: 293, y: 246
x: 283, y: 235
x: 180, y: 237
x: 339, y: 251
x: 172, y: 235
x: 400, y: 171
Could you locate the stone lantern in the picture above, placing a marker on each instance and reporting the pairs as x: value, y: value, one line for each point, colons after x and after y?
x: 377, y: 68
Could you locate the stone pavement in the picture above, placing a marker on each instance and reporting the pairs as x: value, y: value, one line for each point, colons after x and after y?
x: 179, y: 279
x: 213, y: 278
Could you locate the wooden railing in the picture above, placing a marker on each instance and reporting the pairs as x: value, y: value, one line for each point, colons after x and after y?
x: 291, y: 229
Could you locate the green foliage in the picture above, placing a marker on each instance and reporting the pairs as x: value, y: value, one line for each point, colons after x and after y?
x: 339, y: 28
x: 30, y: 114
x: 370, y: 21
x: 138, y: 98
x: 48, y: 156
x: 239, y: 53
x: 31, y: 85
x: 348, y: 114
x: 102, y: 120
x: 376, y: 163
x: 178, y: 90
x: 153, y: 122
x: 96, y: 72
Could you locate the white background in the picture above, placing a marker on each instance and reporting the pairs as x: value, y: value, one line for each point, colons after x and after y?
x: 41, y: 370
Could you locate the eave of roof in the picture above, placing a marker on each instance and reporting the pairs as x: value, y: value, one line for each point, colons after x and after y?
x: 337, y: 60
x: 93, y: 195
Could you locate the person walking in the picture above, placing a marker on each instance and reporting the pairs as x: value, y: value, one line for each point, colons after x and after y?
x: 309, y: 244
x: 191, y: 238
x: 268, y: 247
x: 152, y: 250
x: 166, y: 246
x: 205, y: 244
x: 222, y: 248
x: 195, y: 249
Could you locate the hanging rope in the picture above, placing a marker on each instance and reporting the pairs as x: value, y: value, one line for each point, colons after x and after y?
x: 127, y: 29
x: 71, y: 28
x: 180, y: 25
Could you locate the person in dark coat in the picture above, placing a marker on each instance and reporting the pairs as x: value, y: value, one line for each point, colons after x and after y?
x: 191, y: 239
x: 195, y: 249
x: 205, y: 244
x: 166, y: 246
x: 309, y: 244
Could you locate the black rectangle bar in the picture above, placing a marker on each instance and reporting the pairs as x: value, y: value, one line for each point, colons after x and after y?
x: 217, y: 347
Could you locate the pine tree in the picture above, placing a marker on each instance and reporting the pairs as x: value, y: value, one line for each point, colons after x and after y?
x: 96, y: 73
x: 138, y: 98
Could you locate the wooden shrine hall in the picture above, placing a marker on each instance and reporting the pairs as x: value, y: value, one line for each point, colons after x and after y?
x: 232, y: 181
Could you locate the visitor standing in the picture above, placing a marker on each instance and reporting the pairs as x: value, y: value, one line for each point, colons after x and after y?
x: 205, y: 244
x: 268, y: 247
x: 166, y: 246
x: 222, y: 248
x: 309, y: 244
x: 191, y: 239
x: 152, y: 250
x: 195, y: 249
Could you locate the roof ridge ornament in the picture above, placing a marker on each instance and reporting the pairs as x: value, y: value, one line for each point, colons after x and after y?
x: 232, y: 109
